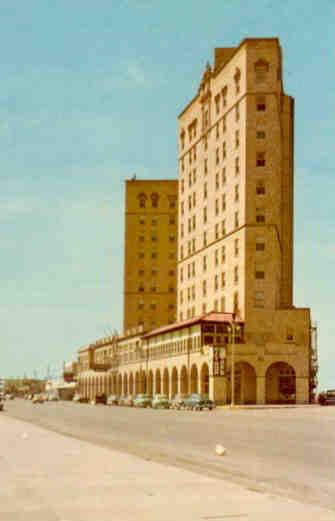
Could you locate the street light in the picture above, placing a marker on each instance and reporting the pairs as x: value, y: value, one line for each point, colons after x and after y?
x: 233, y: 329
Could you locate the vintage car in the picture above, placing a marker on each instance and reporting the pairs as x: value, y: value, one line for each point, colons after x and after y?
x: 142, y: 400
x: 177, y: 402
x: 38, y: 398
x: 160, y: 401
x: 1, y: 405
x: 197, y: 402
x: 112, y: 400
x: 327, y: 397
x: 100, y: 399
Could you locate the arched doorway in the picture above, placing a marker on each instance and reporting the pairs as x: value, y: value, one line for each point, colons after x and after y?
x: 131, y: 384
x: 166, y: 387
x: 150, y: 381
x: 280, y: 383
x: 174, y: 382
x: 183, y: 380
x: 158, y: 382
x: 204, y: 379
x: 245, y: 383
x: 125, y: 384
x: 194, y: 379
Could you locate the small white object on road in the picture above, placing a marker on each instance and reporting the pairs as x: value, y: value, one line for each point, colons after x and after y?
x: 220, y: 450
x: 24, y: 436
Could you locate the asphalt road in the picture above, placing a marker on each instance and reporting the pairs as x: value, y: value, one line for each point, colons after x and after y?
x: 287, y: 451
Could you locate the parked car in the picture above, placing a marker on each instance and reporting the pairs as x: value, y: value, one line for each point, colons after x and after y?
x: 100, y: 398
x: 122, y: 400
x: 112, y: 400
x: 177, y: 402
x: 129, y: 401
x: 38, y: 398
x: 142, y: 400
x: 197, y: 402
x: 160, y: 401
x: 1, y: 404
x: 327, y: 397
x: 53, y: 398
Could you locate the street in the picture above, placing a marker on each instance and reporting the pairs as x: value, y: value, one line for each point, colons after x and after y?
x: 286, y: 451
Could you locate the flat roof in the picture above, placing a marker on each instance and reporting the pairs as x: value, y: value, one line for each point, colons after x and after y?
x: 211, y: 316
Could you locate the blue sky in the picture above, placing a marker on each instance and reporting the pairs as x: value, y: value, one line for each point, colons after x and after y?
x: 89, y: 94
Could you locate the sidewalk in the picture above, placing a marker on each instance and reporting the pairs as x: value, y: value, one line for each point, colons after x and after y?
x: 48, y: 477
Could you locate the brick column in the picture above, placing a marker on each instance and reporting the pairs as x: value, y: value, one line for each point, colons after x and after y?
x: 260, y: 390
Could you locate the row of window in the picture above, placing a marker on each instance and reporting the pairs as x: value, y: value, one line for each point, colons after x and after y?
x: 153, y: 306
x: 154, y: 197
x: 154, y: 221
x: 152, y: 288
x: 154, y: 272
x: 154, y: 255
x: 154, y: 238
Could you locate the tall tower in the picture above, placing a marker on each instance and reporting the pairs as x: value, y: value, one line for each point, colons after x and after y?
x: 150, y: 253
x: 236, y: 186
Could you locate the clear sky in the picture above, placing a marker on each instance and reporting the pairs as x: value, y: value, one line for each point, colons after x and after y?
x: 89, y: 94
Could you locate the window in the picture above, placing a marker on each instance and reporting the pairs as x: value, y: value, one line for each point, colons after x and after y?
x: 195, y: 152
x: 260, y: 244
x: 223, y: 176
x: 216, y: 232
x: 153, y: 289
x: 172, y: 219
x: 236, y: 219
x: 171, y: 289
x: 194, y: 175
x: 205, y: 167
x: 153, y: 305
x: 182, y: 208
x: 189, y: 248
x: 189, y: 179
x: 141, y: 255
x: 261, y: 71
x: 181, y: 316
x: 190, y: 202
x: 171, y: 273
x: 204, y: 263
x: 142, y: 200
x: 223, y: 279
x: 172, y: 238
x: 193, y: 222
x: 204, y: 288
x: 217, y: 129
x: 259, y: 299
x: 181, y: 297
x: 260, y: 104
x: 154, y: 238
x: 171, y: 255
x: 259, y: 271
x: 182, y: 165
x: 217, y: 156
x: 224, y: 96
x: 216, y: 257
x: 224, y: 125
x: 141, y: 273
x: 205, y: 239
x: 193, y: 292
x: 223, y: 227
x: 204, y: 307
x: 216, y: 206
x: 236, y: 274
x: 141, y: 238
x: 205, y: 191
x: 154, y: 255
x: 260, y: 217
x: 223, y: 254
x: 205, y: 214
x: 182, y: 138
x: 260, y: 134
x: 223, y: 304
x: 260, y: 187
x: 237, y: 165
x: 189, y: 224
x: 235, y: 307
x: 237, y: 79
x: 140, y: 304
x: 216, y: 305
x: 182, y: 230
x: 236, y: 247
x: 194, y: 200
x: 260, y: 159
x: 224, y: 153
x: 181, y: 252
x: 193, y: 245
x: 193, y: 269
x: 141, y: 219
x: 237, y: 195
x: 141, y: 288
x: 216, y: 282
x: 205, y: 143
x: 181, y: 275
x: 154, y: 200
x: 289, y: 334
x: 172, y: 202
x: 237, y: 139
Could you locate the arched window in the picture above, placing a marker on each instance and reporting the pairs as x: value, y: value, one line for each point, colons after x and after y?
x: 154, y: 200
x: 142, y: 200
x: 261, y: 71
